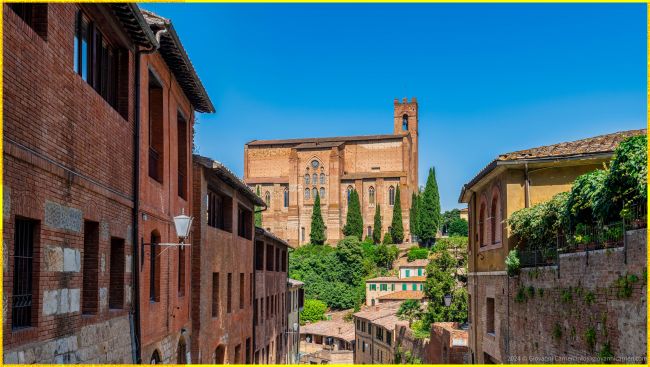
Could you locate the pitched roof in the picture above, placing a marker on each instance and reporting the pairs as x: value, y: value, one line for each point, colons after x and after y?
x: 328, y: 140
x: 577, y: 149
x: 378, y: 311
x: 179, y: 63
x: 259, y: 231
x: 387, y: 322
x: 415, y: 263
x: 337, y: 329
x: 401, y: 295
x: 230, y: 178
x: 396, y: 279
x: 131, y: 18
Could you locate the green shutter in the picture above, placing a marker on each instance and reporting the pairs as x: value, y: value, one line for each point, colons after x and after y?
x: 403, y: 286
x: 408, y: 273
x: 415, y: 287
x: 392, y: 287
x: 419, y: 272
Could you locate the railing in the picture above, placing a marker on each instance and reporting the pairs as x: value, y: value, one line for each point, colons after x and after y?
x: 636, y: 216
x: 154, y: 159
x: 535, y: 258
x: 590, y: 238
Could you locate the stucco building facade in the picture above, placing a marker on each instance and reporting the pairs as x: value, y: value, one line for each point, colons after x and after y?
x: 290, y: 172
x: 511, y: 182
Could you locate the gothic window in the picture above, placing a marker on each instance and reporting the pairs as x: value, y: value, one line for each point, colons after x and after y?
x: 349, y: 192
x: 286, y: 197
x: 322, y: 192
x: 306, y: 178
x: 267, y: 198
x: 371, y: 195
x: 481, y: 225
x: 315, y: 179
x: 391, y: 195
x: 405, y: 122
x: 322, y: 179
x: 314, y: 192
x: 495, y: 217
x: 307, y: 194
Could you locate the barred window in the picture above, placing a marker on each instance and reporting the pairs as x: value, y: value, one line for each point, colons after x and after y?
x: 22, y: 307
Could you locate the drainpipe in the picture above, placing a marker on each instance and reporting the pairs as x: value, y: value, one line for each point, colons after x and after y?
x: 135, y: 244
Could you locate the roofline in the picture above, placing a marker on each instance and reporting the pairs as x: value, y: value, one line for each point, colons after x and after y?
x: 226, y: 175
x: 264, y: 232
x: 135, y: 14
x: 498, y: 163
x: 325, y: 139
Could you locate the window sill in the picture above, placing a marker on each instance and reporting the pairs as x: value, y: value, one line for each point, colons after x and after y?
x: 490, y: 247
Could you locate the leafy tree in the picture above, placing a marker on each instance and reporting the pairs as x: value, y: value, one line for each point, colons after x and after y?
x: 458, y: 227
x: 354, y: 222
x: 258, y: 212
x: 397, y: 227
x: 446, y: 218
x: 313, y: 310
x: 413, y: 214
x: 416, y: 253
x: 444, y: 279
x: 429, y: 215
x: 376, y: 231
x: 585, y: 191
x: 317, y: 235
x: 388, y: 239
x: 409, y: 310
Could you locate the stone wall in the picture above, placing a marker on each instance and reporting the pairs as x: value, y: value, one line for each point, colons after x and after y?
x: 570, y: 313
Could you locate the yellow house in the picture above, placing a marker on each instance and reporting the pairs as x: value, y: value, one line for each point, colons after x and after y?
x: 511, y: 182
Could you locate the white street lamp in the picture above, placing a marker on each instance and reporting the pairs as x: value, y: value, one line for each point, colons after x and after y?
x: 183, y: 224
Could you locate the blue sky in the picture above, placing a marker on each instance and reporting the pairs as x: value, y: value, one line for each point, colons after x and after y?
x: 489, y: 78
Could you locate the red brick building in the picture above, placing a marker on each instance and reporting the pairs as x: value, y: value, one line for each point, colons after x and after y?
x: 222, y: 265
x: 170, y: 93
x: 270, y: 312
x: 448, y: 344
x: 68, y: 190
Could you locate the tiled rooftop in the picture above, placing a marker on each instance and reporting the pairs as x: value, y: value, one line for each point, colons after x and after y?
x: 402, y: 295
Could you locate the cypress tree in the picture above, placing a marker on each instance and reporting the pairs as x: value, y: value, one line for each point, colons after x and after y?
x: 376, y: 231
x: 354, y: 222
x: 397, y: 227
x: 258, y: 213
x: 429, y: 211
x: 317, y: 235
x: 413, y: 214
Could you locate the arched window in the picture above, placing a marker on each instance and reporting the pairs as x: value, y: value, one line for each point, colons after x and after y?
x: 405, y: 122
x: 495, y: 217
x: 481, y: 225
x: 267, y: 198
x: 369, y: 233
x: 220, y: 355
x: 286, y: 197
x: 371, y: 195
x: 155, y: 357
x: 154, y: 267
x: 307, y: 194
x: 315, y: 179
x: 322, y: 179
x: 322, y: 192
x: 349, y: 191
x: 306, y: 178
x: 391, y: 195
x: 314, y: 192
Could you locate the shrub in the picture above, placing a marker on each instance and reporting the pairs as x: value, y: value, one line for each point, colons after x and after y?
x: 557, y: 331
x: 605, y: 355
x: 521, y: 295
x: 538, y: 225
x: 590, y: 337
x: 388, y: 240
x: 590, y: 298
x: 313, y: 310
x: 416, y: 253
x: 627, y: 182
x: 531, y: 291
x: 586, y: 190
x: 512, y: 263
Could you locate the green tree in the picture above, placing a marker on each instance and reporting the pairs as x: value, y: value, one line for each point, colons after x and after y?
x: 397, y: 227
x: 429, y: 216
x: 388, y: 240
x: 376, y: 231
x: 443, y: 278
x: 317, y: 235
x: 409, y: 310
x: 416, y: 253
x: 354, y: 222
x: 458, y: 227
x: 413, y: 214
x: 258, y: 212
x: 313, y: 310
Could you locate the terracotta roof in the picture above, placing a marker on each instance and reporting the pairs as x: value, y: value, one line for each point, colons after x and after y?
x: 336, y: 329
x: 179, y: 63
x: 337, y: 139
x: 263, y: 232
x: 403, y: 295
x: 378, y: 311
x: 229, y: 177
x: 577, y: 149
x: 387, y: 322
x: 415, y: 263
x: 131, y: 18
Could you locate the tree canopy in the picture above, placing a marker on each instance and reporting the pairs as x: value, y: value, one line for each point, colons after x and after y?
x: 354, y: 222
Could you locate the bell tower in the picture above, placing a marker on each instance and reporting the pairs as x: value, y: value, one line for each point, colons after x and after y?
x: 405, y: 120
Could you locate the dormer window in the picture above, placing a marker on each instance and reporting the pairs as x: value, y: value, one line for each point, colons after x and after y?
x: 405, y: 122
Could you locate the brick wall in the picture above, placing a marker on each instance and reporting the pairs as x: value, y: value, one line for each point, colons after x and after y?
x: 67, y: 158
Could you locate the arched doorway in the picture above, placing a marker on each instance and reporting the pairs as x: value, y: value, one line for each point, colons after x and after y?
x: 181, y: 351
x: 155, y: 357
x: 220, y: 355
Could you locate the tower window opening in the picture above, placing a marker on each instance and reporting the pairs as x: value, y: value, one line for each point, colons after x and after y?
x: 405, y: 122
